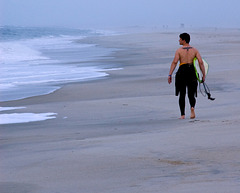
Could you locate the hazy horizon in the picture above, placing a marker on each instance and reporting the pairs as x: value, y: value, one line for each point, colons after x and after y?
x: 124, y: 13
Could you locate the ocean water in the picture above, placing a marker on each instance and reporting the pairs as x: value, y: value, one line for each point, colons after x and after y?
x: 37, y: 61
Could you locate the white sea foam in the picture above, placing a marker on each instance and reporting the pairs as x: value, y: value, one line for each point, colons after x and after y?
x: 12, y: 52
x: 23, y: 66
x: 25, y: 117
x: 36, y: 65
x: 33, y: 80
x: 10, y: 118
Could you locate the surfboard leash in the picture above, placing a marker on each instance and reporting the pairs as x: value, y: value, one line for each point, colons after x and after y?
x: 206, y: 91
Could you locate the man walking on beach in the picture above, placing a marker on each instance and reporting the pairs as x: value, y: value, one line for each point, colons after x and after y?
x: 185, y: 76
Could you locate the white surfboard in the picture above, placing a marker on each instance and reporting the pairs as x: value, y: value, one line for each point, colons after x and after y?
x: 198, y: 70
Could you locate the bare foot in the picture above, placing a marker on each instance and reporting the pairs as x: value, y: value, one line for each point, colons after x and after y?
x: 182, y: 117
x: 192, y: 113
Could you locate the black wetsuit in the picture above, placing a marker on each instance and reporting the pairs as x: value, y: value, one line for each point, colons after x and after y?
x: 186, y: 78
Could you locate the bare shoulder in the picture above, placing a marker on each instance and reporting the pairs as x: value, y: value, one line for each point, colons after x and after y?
x: 195, y: 49
x: 179, y: 50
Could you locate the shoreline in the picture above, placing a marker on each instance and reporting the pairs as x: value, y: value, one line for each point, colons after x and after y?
x: 122, y: 133
x: 34, y: 64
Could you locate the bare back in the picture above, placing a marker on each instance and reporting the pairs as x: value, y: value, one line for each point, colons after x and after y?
x: 187, y: 54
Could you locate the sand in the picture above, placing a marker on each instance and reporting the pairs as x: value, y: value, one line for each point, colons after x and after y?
x: 122, y: 134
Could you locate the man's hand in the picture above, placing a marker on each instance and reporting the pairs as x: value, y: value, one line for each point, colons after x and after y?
x: 169, y: 79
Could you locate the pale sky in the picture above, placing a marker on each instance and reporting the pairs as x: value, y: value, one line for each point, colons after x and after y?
x: 120, y: 13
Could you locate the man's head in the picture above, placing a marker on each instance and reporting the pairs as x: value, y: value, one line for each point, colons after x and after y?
x: 185, y: 37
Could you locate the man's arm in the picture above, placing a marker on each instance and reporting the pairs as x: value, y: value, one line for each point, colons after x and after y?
x: 173, y: 66
x: 200, y: 62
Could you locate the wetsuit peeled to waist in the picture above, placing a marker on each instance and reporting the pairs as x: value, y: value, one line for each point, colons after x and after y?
x: 186, y: 77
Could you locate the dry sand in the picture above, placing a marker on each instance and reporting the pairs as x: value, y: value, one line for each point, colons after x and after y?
x: 121, y: 134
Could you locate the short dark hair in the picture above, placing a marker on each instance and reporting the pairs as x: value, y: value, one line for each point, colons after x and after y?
x: 185, y: 36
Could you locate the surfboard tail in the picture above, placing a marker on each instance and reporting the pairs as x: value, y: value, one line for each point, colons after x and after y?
x: 198, y: 71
